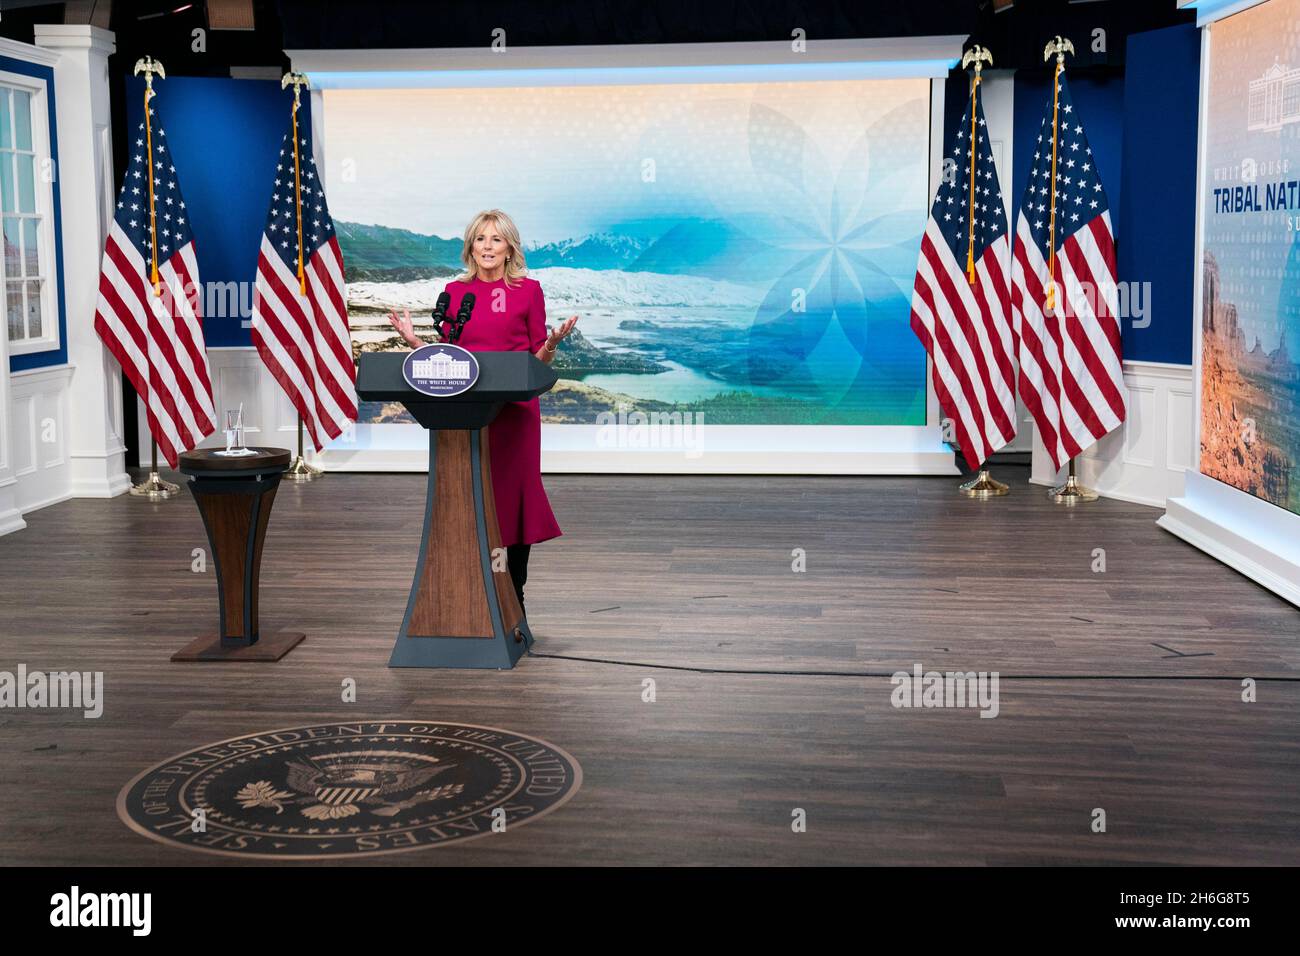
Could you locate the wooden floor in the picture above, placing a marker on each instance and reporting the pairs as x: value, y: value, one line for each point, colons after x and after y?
x: 1119, y: 690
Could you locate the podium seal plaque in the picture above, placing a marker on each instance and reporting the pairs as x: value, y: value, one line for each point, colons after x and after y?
x: 440, y: 370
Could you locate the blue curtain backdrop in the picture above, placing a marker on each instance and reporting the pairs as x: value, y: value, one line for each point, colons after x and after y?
x: 1158, y: 208
x: 224, y: 137
x: 1098, y: 100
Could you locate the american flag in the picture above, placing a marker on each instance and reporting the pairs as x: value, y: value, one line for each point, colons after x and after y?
x: 157, y: 337
x: 302, y: 333
x: 965, y: 325
x: 1071, y: 370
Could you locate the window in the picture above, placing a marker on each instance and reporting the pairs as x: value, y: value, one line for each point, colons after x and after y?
x: 1291, y: 97
x: 26, y: 215
x: 1257, y: 116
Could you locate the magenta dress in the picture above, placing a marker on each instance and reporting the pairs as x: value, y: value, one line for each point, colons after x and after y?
x: 509, y: 319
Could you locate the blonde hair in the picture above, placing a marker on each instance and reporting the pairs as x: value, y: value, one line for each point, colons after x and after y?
x: 516, y: 267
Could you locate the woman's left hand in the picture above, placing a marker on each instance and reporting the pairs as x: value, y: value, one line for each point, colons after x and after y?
x: 555, y: 336
x: 558, y: 335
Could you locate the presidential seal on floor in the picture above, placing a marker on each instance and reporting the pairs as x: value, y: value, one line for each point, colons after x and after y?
x: 349, y: 789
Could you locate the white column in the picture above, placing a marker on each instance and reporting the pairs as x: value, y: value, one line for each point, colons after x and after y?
x: 97, y: 454
x: 11, y: 518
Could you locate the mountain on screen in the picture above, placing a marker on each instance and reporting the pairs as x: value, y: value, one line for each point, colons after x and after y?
x: 702, y: 247
x: 708, y: 248
x: 605, y: 250
x: 384, y: 254
x: 694, y: 247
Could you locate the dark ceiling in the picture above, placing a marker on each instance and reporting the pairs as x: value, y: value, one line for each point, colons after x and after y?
x: 167, y: 29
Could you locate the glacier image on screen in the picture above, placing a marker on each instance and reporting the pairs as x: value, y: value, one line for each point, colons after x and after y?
x: 741, y: 251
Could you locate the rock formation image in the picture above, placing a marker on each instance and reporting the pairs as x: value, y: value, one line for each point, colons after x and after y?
x: 1235, y: 445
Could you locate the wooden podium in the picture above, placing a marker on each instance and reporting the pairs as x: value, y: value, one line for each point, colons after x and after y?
x: 461, y: 612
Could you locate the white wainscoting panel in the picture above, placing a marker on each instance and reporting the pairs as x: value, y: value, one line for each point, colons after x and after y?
x: 1145, y: 459
x: 38, y: 417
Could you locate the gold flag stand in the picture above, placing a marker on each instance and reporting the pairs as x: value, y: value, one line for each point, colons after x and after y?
x: 299, y: 470
x: 983, y: 485
x: 1072, y: 493
x: 154, y: 487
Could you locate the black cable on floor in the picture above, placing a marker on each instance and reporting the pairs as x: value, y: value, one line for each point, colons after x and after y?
x: 1001, y: 676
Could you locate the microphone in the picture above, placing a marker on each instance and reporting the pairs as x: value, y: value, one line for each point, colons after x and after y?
x: 463, y: 315
x: 440, y: 312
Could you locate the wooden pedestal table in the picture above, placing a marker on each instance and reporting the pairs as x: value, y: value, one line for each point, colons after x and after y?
x: 234, y: 495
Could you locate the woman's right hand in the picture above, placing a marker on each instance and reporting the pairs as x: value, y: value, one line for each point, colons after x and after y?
x: 404, y: 328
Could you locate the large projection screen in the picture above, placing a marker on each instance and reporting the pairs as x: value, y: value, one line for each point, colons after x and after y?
x: 1243, y: 504
x: 1250, y: 316
x: 739, y: 241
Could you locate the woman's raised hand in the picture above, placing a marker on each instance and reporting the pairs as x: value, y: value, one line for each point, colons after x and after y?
x: 404, y: 328
x: 558, y: 334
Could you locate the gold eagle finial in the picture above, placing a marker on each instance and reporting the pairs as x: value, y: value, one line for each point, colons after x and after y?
x: 299, y: 80
x: 978, y: 55
x: 1060, y: 46
x: 148, y: 66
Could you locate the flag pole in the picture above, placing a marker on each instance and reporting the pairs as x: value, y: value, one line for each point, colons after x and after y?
x: 299, y: 470
x: 154, y: 488
x: 1072, y: 492
x: 983, y: 485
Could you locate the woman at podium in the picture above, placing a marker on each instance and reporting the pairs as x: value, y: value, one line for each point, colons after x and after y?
x: 509, y: 315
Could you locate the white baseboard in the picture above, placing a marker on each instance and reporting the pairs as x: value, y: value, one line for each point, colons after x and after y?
x: 753, y: 449
x: 52, y: 499
x: 100, y: 486
x: 1260, y: 540
x: 716, y: 450
x: 1086, y: 481
x: 11, y: 520
x: 99, y: 475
